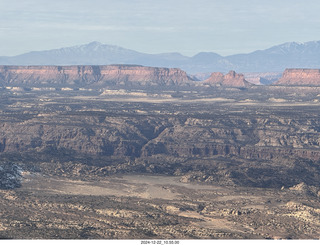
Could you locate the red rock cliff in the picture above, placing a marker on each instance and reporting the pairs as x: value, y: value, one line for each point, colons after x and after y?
x: 92, y: 75
x: 309, y: 77
x: 232, y: 79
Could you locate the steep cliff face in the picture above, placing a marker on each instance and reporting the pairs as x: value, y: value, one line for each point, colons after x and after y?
x: 91, y: 75
x: 144, y: 75
x: 309, y: 77
x: 232, y: 79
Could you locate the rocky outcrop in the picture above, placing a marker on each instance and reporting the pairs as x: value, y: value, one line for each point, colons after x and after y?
x: 10, y: 175
x: 93, y: 76
x: 232, y: 79
x: 300, y: 77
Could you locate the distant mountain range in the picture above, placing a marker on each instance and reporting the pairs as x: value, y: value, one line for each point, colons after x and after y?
x: 274, y: 59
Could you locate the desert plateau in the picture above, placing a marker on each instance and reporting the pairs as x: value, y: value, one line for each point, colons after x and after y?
x: 132, y: 152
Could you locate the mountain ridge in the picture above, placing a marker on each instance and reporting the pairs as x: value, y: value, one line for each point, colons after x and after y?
x: 273, y: 59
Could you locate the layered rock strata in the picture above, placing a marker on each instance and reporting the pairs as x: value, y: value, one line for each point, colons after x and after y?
x: 81, y: 76
x: 232, y: 79
x: 257, y: 145
x: 300, y: 77
x: 259, y: 150
x: 110, y: 75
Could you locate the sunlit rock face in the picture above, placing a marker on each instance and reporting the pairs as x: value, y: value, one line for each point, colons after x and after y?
x: 232, y: 79
x: 308, y: 77
x: 92, y: 75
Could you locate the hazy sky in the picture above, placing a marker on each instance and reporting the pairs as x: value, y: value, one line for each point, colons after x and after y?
x: 152, y: 26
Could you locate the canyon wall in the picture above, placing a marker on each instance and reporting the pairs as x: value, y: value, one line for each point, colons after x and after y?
x: 250, y: 150
x: 250, y: 138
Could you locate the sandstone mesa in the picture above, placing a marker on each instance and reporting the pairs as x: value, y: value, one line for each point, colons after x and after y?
x: 110, y: 75
x: 309, y: 77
